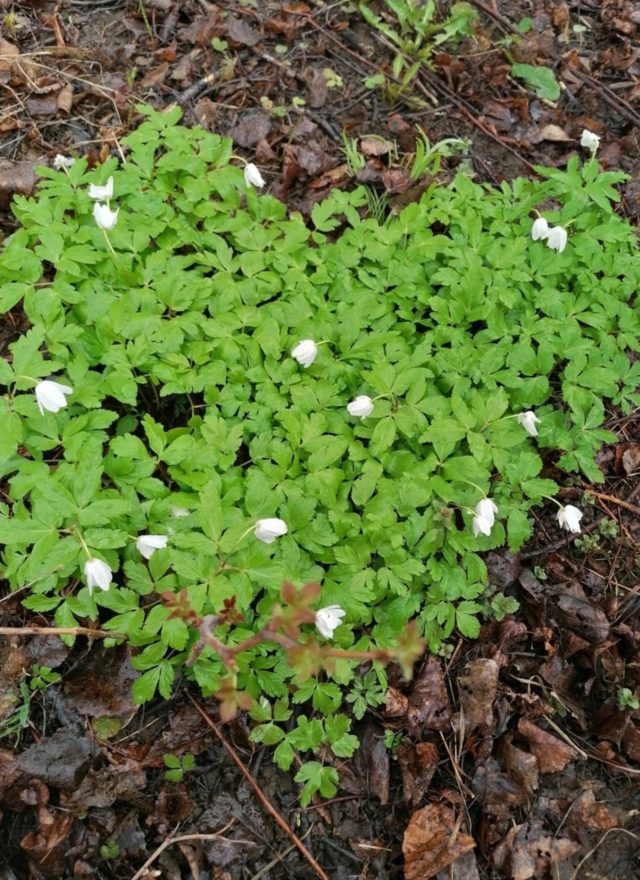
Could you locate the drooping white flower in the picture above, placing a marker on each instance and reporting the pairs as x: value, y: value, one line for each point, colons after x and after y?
x: 557, y: 238
x: 528, y: 420
x: 590, y: 140
x: 540, y: 229
x: 485, y: 517
x: 569, y: 518
x: 329, y: 619
x: 98, y: 574
x: 252, y: 176
x: 61, y: 163
x: 269, y: 529
x: 104, y: 216
x: 50, y: 395
x: 148, y: 544
x: 361, y: 407
x: 101, y: 193
x: 305, y: 352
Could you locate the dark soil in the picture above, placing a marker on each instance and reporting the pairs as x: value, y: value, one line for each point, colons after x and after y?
x: 513, y: 752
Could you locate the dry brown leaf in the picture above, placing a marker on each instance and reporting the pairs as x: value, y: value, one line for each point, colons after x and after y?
x: 554, y: 133
x: 240, y: 31
x: 498, y: 793
x: 589, y: 813
x: 429, y: 706
x: 45, y: 844
x: 396, y: 703
x: 433, y: 840
x: 100, y: 685
x: 15, y: 177
x: 65, y: 98
x: 7, y: 52
x: 335, y: 177
x: 580, y: 614
x: 154, y: 77
x: 522, y: 767
x: 527, y: 852
x: 375, y: 146
x: 631, y: 742
x: 631, y: 459
x: 553, y: 755
x: 418, y: 763
x: 477, y: 683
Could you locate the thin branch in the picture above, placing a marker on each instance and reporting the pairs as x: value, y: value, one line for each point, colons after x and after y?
x: 259, y: 793
x: 182, y: 839
x: 59, y: 631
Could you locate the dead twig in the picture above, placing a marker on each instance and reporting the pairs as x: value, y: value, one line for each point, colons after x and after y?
x: 612, y: 498
x: 59, y: 631
x: 182, y: 838
x: 608, y: 96
x: 504, y: 23
x: 576, y: 873
x: 259, y: 793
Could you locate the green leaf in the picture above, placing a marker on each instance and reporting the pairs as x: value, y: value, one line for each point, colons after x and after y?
x: 541, y: 79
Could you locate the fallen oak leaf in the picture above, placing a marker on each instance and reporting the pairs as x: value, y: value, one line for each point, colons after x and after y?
x: 553, y: 755
x: 433, y: 841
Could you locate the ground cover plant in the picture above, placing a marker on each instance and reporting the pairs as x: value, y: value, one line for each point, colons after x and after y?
x: 214, y: 398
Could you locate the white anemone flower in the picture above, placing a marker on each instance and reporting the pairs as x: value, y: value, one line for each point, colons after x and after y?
x: 329, y: 619
x: 590, y: 140
x: 305, y: 352
x: 62, y: 163
x: 98, y: 574
x: 103, y: 215
x: 569, y: 518
x: 148, y: 544
x: 485, y: 517
x: 528, y: 420
x: 50, y: 395
x: 361, y: 407
x: 252, y: 176
x: 267, y: 530
x: 101, y: 193
x: 557, y: 238
x: 540, y: 229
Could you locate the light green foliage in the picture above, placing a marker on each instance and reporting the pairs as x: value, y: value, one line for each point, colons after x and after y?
x: 415, y: 31
x: 541, y: 79
x: 16, y: 721
x: 178, y: 766
x: 627, y: 700
x: 42, y: 677
x: 185, y: 394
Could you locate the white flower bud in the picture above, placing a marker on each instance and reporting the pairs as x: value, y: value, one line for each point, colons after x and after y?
x: 557, y: 238
x: 98, y: 574
x: 50, y: 395
x: 528, y: 420
x: 329, y: 619
x: 540, y: 229
x: 252, y: 176
x: 361, y: 407
x: 101, y: 193
x: 148, y: 544
x: 569, y: 518
x: 305, y: 352
x: 269, y: 529
x: 103, y: 215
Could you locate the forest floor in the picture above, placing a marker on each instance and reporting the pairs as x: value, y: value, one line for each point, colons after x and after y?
x: 543, y: 779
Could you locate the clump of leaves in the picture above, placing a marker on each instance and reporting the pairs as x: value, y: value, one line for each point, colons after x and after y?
x: 189, y: 420
x: 414, y: 30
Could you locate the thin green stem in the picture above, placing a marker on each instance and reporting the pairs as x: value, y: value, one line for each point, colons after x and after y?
x: 82, y: 542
